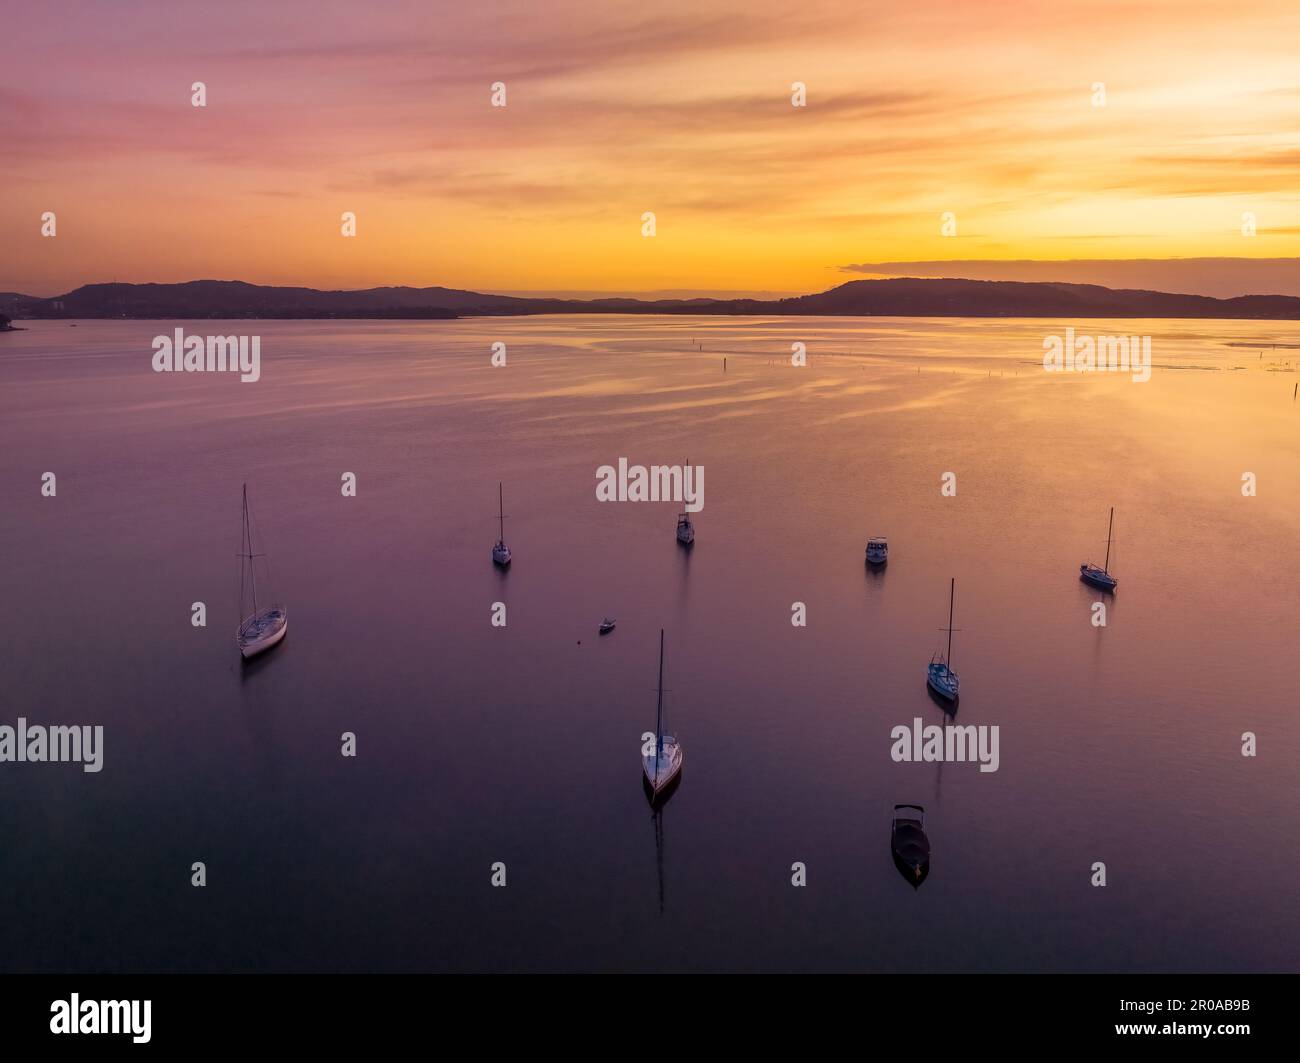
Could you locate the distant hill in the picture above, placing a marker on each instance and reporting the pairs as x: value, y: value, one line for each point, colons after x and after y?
x: 923, y: 297
x: 901, y: 297
x: 235, y: 299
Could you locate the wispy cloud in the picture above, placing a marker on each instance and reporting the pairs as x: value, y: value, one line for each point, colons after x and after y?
x: 981, y: 108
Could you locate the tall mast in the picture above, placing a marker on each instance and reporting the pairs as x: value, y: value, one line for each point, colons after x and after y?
x: 952, y: 593
x: 248, y: 552
x: 659, y: 709
x: 1109, y: 530
x: 501, y: 510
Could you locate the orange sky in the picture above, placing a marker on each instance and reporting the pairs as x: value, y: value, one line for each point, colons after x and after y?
x: 979, y: 108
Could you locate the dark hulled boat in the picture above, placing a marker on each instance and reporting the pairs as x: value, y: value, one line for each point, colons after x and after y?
x: 910, y: 846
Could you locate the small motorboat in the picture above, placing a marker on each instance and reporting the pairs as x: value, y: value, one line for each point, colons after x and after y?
x: 663, y: 764
x: 607, y: 625
x: 1101, y: 577
x: 501, y: 552
x: 685, y: 529
x: 910, y: 846
x: 877, y: 551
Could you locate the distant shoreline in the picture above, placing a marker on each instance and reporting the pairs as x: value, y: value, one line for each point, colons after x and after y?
x: 70, y: 320
x: 895, y: 298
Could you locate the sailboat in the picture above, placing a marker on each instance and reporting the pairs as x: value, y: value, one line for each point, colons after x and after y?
x: 685, y: 527
x: 1101, y: 577
x: 501, y: 552
x: 663, y: 766
x: 266, y: 624
x: 877, y: 550
x: 940, y: 676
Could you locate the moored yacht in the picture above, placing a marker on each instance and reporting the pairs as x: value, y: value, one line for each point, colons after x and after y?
x: 939, y: 675
x: 265, y: 624
x: 501, y: 552
x: 663, y: 764
x: 1101, y: 577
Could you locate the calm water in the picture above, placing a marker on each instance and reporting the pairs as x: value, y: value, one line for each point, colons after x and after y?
x: 478, y: 744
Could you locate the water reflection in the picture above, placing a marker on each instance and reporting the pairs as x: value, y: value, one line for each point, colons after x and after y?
x: 657, y: 815
x: 465, y: 736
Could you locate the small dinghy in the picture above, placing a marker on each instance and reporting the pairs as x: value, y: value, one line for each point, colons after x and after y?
x: 1101, y: 577
x: 663, y: 765
x: 501, y: 552
x: 607, y: 625
x: 939, y: 675
x: 685, y: 529
x: 910, y: 846
x: 262, y: 626
x: 877, y: 551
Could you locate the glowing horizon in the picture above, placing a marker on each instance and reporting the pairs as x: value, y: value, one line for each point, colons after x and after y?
x: 982, y: 109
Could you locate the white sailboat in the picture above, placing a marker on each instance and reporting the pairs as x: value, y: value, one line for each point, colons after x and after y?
x: 1101, y: 577
x: 264, y: 625
x: 939, y: 675
x: 663, y: 766
x: 501, y: 552
x: 685, y: 526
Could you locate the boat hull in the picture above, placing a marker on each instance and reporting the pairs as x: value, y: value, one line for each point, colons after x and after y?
x: 1097, y: 577
x: 942, y: 681
x: 250, y: 645
x: 662, y: 772
x: 911, y: 852
x: 910, y: 846
x: 501, y: 555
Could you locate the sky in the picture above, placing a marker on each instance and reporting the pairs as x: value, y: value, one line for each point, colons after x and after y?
x: 979, y: 110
